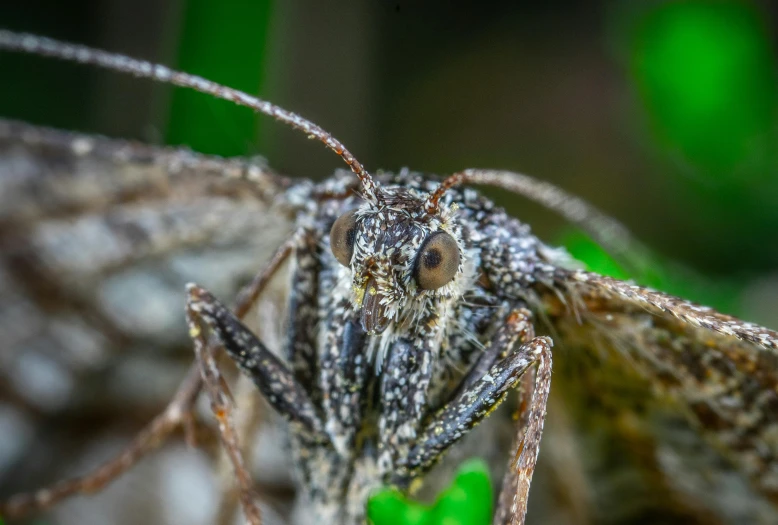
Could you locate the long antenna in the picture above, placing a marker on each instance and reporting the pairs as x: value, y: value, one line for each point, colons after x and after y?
x: 37, y: 45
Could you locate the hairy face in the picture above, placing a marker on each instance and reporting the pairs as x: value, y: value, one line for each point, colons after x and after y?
x: 402, y: 260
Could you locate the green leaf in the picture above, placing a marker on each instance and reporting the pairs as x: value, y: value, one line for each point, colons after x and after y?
x: 467, y: 501
x: 224, y: 42
x: 597, y: 260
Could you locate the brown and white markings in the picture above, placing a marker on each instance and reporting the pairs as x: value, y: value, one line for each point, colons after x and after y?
x: 414, y: 308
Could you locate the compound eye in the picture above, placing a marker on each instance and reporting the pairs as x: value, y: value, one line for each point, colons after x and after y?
x: 437, y: 262
x: 342, y: 237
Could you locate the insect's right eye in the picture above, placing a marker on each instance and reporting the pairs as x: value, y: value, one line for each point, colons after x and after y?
x: 342, y: 237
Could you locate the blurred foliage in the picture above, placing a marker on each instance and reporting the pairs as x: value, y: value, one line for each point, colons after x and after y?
x: 583, y: 248
x: 225, y: 42
x: 704, y: 77
x: 467, y: 501
x: 704, y: 71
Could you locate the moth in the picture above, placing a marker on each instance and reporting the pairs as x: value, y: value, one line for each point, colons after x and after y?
x: 416, y: 307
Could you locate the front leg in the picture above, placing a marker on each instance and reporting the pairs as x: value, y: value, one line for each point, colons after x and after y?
x: 479, y: 398
x: 274, y: 380
x: 405, y: 379
x: 534, y: 389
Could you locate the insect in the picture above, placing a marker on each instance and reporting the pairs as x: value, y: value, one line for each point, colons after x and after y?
x: 416, y: 307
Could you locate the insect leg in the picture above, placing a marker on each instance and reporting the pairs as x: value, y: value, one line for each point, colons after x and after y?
x: 534, y: 388
x: 222, y: 409
x: 405, y: 378
x: 176, y: 414
x: 304, y: 312
x: 472, y: 404
x: 276, y: 382
x: 343, y: 374
x: 518, y: 326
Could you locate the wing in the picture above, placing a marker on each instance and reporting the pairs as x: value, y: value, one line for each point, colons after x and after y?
x: 97, y: 241
x: 690, y: 395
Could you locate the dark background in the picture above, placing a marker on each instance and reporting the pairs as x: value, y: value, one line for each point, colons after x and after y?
x: 663, y: 114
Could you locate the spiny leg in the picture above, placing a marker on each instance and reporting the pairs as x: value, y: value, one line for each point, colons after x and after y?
x: 247, y: 419
x: 518, y: 325
x: 303, y: 311
x: 534, y: 389
x: 274, y: 380
x: 406, y: 375
x: 342, y: 377
x: 176, y: 414
x: 216, y: 388
x: 218, y: 391
x: 222, y: 409
x: 343, y: 371
x: 472, y: 404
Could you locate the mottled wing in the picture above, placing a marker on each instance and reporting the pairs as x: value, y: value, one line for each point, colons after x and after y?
x: 674, y: 398
x: 97, y: 241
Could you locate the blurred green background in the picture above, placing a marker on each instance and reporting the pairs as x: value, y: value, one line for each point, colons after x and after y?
x: 662, y: 114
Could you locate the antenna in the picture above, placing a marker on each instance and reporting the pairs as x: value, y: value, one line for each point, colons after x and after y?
x: 27, y: 43
x: 608, y: 232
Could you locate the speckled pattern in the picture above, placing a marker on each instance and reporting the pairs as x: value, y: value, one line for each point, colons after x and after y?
x: 369, y: 409
x: 380, y: 377
x: 392, y: 403
x: 722, y: 371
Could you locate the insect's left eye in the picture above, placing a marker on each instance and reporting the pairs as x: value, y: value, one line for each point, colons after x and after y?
x: 342, y: 236
x: 437, y: 262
